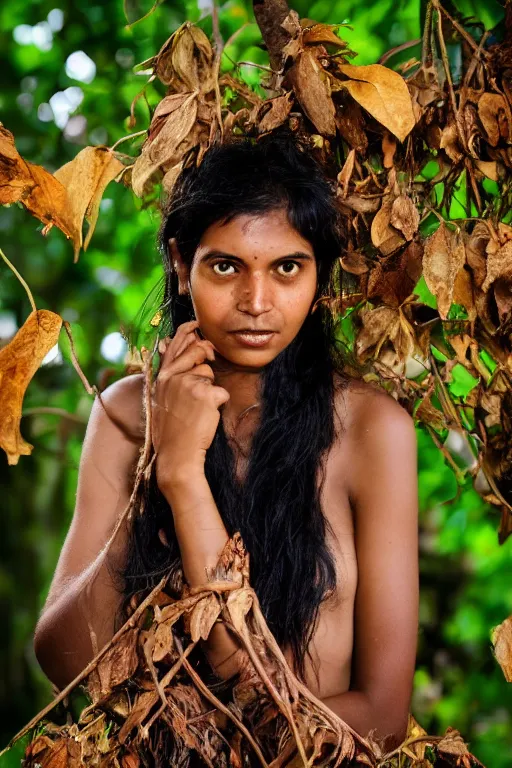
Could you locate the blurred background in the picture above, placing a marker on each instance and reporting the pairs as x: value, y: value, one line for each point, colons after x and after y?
x: 67, y: 82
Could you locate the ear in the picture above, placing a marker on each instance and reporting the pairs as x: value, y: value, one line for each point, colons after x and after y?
x: 179, y: 267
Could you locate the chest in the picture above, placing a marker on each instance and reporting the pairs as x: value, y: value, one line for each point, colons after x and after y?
x: 329, y: 665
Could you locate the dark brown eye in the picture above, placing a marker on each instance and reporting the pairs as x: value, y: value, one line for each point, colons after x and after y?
x: 286, y: 265
x: 222, y: 271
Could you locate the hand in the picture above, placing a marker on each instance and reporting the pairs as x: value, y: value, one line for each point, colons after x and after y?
x: 185, y: 404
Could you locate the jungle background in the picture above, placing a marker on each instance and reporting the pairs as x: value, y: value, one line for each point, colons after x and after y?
x: 68, y: 82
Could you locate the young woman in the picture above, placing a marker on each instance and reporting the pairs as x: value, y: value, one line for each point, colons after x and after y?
x: 257, y: 428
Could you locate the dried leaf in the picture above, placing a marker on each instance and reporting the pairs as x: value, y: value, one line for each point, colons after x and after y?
x: 405, y: 216
x: 323, y: 33
x: 355, y: 262
x: 393, y: 278
x: 492, y: 113
x: 277, y: 110
x: 384, y: 94
x: 385, y: 237
x: 452, y: 743
x: 168, y: 147
x: 19, y: 360
x: 204, y: 616
x: 443, y: 258
x: 85, y: 179
x: 185, y: 61
x: 502, y: 642
x: 499, y: 265
x: 40, y: 192
x: 313, y: 93
x: 346, y: 172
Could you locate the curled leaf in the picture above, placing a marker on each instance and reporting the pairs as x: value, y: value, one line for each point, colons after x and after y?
x: 443, y: 258
x: 313, y: 93
x: 502, y: 642
x: 85, y: 179
x: 19, y: 360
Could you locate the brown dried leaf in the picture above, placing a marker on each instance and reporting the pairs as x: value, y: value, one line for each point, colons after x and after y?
x: 168, y: 146
x: 499, y: 265
x: 85, y: 179
x: 204, y: 616
x: 405, y: 216
x: 346, y: 172
x: 493, y: 115
x: 119, y: 663
x: 313, y: 93
x: 502, y: 642
x: 452, y: 743
x: 185, y: 61
x: 40, y: 192
x: 443, y: 258
x: 280, y: 108
x: 350, y: 123
x: 450, y: 143
x: 19, y: 360
x: 388, y: 150
x: 355, y: 262
x: 385, y: 237
x: 384, y: 94
x: 323, y: 33
x: 143, y: 704
x: 393, y: 278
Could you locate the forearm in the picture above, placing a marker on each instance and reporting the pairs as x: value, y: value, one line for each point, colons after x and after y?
x: 202, y: 536
x: 358, y: 711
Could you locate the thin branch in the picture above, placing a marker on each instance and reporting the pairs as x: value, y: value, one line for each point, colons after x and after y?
x: 22, y: 281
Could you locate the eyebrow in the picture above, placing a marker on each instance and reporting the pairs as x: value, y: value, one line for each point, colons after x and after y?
x: 215, y: 254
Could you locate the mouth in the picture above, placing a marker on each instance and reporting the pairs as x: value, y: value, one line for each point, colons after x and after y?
x: 253, y: 338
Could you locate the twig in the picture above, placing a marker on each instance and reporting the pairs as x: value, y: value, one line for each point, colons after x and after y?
x: 89, y: 389
x: 398, y: 49
x: 448, y: 74
x: 89, y: 668
x: 126, y: 138
x: 54, y: 412
x: 22, y: 281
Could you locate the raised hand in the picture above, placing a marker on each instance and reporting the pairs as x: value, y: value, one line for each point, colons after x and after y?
x: 185, y: 404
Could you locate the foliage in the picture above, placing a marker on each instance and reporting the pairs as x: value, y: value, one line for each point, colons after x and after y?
x: 86, y: 282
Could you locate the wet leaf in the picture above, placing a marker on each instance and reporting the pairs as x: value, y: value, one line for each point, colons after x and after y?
x: 384, y: 94
x: 19, y: 360
x: 85, y: 179
x: 444, y: 257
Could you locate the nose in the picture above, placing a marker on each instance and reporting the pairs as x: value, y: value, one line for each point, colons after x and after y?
x: 255, y: 295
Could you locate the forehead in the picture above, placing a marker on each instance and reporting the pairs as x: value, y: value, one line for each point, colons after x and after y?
x: 269, y: 233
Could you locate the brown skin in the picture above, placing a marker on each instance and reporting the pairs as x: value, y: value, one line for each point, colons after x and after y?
x: 364, y: 646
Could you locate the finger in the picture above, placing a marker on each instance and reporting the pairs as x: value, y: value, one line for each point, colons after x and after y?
x: 219, y: 395
x: 203, y: 371
x: 194, y: 355
x: 181, y: 339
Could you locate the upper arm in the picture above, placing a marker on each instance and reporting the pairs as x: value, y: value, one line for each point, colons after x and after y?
x: 110, y: 451
x: 384, y: 497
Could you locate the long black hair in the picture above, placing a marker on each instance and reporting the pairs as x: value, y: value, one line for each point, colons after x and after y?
x: 277, y: 507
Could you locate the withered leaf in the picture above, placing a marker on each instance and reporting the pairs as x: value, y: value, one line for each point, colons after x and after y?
x: 204, y: 616
x: 405, y: 216
x: 502, y: 642
x: 40, y: 192
x: 355, y: 262
x: 443, y: 257
x: 393, y: 278
x: 19, y: 360
x: 276, y: 113
x: 384, y: 94
x: 492, y: 113
x: 323, y: 33
x: 120, y: 661
x: 185, y: 61
x: 384, y: 236
x: 168, y: 146
x: 313, y: 93
x: 85, y: 179
x: 452, y: 743
x: 499, y: 265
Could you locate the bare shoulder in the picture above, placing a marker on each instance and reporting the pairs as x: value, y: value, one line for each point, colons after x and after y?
x: 366, y: 411
x: 122, y: 404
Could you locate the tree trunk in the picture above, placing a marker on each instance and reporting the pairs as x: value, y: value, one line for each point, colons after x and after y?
x: 270, y: 14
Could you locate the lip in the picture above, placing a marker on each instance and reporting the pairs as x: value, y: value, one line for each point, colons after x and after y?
x: 253, y: 338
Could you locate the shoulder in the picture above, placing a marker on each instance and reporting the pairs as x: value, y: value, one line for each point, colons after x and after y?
x: 121, y: 404
x: 367, y: 411
x: 379, y: 435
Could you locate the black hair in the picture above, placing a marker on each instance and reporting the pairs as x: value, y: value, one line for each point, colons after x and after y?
x: 277, y: 508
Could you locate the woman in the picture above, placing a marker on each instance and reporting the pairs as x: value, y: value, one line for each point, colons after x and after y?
x: 256, y: 428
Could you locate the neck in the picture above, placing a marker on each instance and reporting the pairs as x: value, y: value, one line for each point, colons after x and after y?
x: 243, y: 385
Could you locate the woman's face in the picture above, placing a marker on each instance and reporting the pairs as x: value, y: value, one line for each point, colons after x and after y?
x: 255, y: 274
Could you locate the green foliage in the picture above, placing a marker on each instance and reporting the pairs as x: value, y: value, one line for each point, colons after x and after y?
x: 464, y: 586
